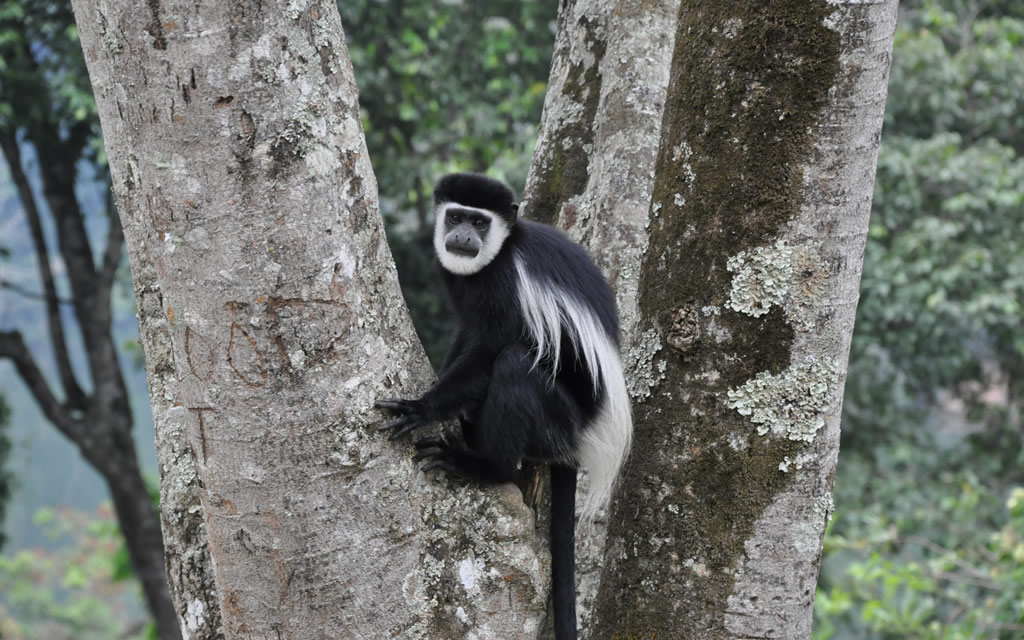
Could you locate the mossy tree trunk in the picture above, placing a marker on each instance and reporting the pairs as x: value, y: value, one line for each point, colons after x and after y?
x: 271, y: 320
x: 592, y: 173
x: 746, y: 298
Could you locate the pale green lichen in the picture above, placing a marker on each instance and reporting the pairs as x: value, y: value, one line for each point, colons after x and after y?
x: 824, y: 506
x: 791, y: 277
x: 640, y: 362
x: 797, y: 462
x: 791, y: 403
x: 762, y: 279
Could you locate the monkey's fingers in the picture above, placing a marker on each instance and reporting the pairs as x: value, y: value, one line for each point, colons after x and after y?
x: 426, y: 453
x: 397, y: 422
x: 413, y: 424
x: 438, y: 463
x: 394, y: 404
x: 431, y: 441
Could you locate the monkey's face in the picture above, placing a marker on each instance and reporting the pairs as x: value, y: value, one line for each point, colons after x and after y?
x: 467, y: 239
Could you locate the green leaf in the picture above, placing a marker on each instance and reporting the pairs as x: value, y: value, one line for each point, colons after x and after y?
x: 74, y: 578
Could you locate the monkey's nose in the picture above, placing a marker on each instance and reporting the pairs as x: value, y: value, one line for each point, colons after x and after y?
x: 462, y: 246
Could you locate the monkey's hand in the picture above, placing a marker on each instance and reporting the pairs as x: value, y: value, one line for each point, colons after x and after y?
x: 410, y: 416
x: 439, y: 453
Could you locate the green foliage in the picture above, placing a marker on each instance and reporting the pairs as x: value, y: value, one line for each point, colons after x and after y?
x: 444, y: 86
x: 899, y: 586
x: 943, y: 279
x: 928, y: 539
x: 44, y: 85
x: 71, y: 589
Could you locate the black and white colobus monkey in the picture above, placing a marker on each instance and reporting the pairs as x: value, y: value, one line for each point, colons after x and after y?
x: 534, y: 372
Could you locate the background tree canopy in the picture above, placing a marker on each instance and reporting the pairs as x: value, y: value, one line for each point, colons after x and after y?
x: 444, y: 86
x: 928, y: 537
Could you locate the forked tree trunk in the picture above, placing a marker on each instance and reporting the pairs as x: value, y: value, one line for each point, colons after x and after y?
x: 271, y: 320
x: 747, y: 295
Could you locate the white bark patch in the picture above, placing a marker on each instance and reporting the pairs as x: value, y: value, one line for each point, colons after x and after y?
x: 792, y: 403
x: 467, y: 574
x: 297, y: 359
x: 194, y: 616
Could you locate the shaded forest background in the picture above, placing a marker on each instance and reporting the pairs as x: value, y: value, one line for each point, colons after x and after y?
x: 927, y: 540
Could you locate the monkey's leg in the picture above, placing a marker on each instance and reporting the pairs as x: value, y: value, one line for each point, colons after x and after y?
x: 523, y: 415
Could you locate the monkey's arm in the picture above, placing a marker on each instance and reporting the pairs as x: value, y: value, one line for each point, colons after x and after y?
x: 462, y: 385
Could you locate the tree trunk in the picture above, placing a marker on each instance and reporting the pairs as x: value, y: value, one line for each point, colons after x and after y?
x: 271, y: 320
x: 747, y: 296
x: 593, y: 169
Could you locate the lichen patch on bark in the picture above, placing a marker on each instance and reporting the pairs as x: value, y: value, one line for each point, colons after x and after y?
x: 791, y: 404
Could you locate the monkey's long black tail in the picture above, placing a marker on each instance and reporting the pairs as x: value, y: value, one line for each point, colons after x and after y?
x: 563, y: 550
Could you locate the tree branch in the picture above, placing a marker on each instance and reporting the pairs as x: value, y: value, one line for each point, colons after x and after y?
x: 12, y: 347
x: 12, y: 154
x: 57, y: 167
x: 28, y: 293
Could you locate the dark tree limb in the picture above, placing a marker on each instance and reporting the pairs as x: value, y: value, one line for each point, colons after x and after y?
x: 99, y: 424
x: 73, y: 391
x: 25, y: 292
x: 12, y: 347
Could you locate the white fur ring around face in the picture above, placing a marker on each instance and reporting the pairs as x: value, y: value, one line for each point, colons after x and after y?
x: 464, y: 265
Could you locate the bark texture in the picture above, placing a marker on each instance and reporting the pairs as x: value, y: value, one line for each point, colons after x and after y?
x: 592, y: 173
x: 746, y: 296
x: 271, y: 320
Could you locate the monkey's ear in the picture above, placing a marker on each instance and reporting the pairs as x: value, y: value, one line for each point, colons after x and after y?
x: 515, y: 211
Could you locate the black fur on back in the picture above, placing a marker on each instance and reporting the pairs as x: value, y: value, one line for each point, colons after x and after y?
x: 478, y: 191
x: 490, y: 317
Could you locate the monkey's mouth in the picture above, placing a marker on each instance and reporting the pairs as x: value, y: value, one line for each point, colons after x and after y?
x: 462, y: 252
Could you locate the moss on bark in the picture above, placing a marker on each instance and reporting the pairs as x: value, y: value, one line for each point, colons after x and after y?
x: 748, y: 85
x: 566, y: 168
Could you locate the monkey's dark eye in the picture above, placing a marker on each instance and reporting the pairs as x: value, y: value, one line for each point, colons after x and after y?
x: 454, y: 218
x: 481, y: 223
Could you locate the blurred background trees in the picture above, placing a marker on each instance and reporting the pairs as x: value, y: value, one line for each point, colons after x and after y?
x: 444, y: 86
x: 928, y: 537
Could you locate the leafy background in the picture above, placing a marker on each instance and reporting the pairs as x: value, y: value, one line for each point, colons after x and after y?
x: 928, y: 536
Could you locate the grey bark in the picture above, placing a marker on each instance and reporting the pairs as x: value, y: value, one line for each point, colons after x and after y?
x: 271, y: 320
x: 592, y: 173
x: 98, y: 422
x: 746, y: 295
